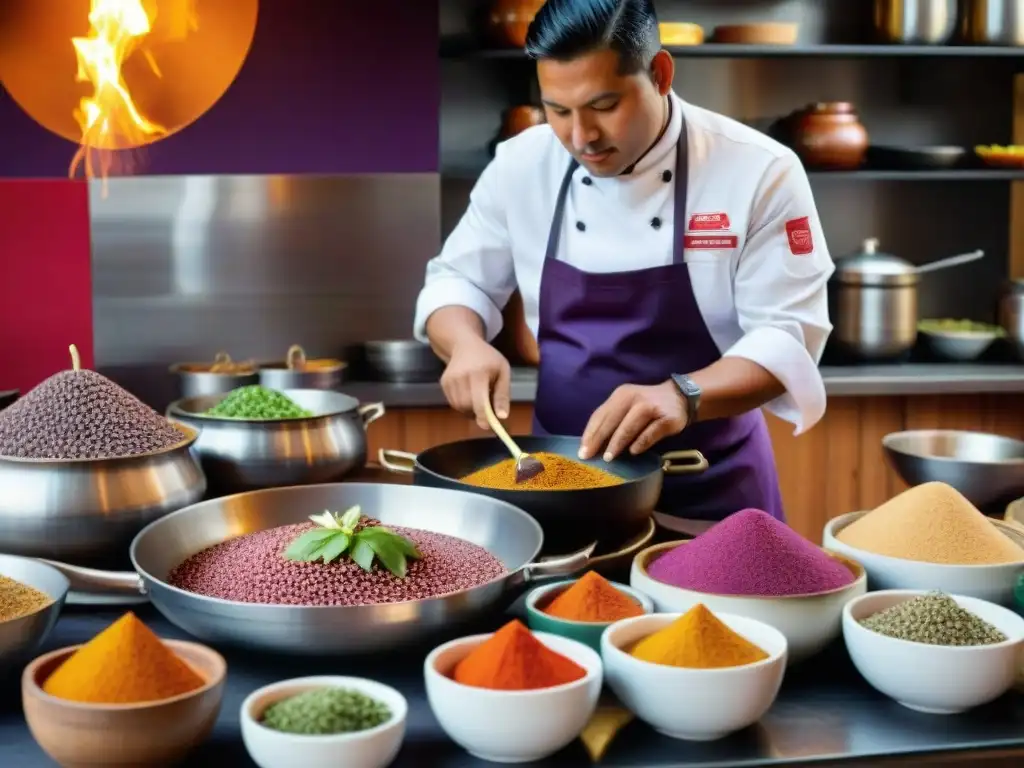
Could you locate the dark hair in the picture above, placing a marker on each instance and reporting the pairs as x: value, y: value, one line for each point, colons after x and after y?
x: 566, y: 29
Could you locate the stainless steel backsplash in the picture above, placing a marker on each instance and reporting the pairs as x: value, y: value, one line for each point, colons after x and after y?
x: 186, y: 266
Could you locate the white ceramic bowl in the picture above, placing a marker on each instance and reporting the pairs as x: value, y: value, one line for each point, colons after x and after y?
x: 693, y: 704
x: 512, y: 726
x: 372, y: 748
x: 960, y: 345
x: 809, y: 622
x: 994, y: 583
x: 937, y: 679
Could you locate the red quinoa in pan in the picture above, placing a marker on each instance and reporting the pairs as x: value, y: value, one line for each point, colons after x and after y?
x: 252, y: 569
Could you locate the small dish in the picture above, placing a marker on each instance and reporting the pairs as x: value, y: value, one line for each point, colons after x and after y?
x: 809, y: 622
x: 917, y: 675
x: 372, y: 748
x: 961, y: 346
x: 154, y: 733
x: 994, y: 583
x: 512, y: 726
x: 21, y: 637
x: 694, y: 704
x: 587, y: 632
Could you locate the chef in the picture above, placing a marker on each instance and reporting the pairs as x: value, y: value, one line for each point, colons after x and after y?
x: 671, y: 263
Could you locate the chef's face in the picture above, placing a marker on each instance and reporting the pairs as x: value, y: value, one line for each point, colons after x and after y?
x: 606, y: 119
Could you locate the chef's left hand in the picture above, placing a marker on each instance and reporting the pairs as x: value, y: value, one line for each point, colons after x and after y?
x: 634, y: 417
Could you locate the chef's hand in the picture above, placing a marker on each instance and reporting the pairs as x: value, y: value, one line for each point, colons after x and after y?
x: 634, y: 417
x: 477, y: 371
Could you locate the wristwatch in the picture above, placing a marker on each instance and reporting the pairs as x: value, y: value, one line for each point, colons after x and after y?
x: 691, y: 395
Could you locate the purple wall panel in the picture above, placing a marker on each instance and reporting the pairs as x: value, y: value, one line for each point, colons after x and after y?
x: 351, y: 88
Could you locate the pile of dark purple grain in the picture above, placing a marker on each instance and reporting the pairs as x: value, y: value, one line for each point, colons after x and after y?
x: 252, y: 569
x: 82, y: 415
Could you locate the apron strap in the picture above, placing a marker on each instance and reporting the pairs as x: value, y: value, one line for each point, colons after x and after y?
x: 555, y: 233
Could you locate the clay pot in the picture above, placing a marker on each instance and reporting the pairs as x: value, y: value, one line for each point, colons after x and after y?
x: 830, y: 136
x: 518, y: 119
x: 509, y: 20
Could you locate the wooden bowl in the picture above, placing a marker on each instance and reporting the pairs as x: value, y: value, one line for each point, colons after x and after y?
x: 769, y: 33
x: 156, y: 733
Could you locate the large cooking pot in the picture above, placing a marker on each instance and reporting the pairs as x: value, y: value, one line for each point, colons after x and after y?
x: 505, y: 531
x: 917, y: 22
x: 992, y: 22
x: 873, y: 301
x: 88, y: 510
x: 569, y: 518
x: 239, y: 455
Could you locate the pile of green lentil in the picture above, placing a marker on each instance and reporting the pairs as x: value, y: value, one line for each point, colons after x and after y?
x: 934, y: 619
x: 256, y: 403
x: 326, y: 711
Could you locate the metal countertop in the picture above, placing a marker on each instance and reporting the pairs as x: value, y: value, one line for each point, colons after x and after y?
x: 840, y: 381
x: 825, y: 715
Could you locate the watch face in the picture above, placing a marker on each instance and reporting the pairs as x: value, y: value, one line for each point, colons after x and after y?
x: 686, y: 385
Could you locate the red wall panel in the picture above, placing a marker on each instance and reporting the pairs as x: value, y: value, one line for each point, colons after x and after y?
x: 45, y: 279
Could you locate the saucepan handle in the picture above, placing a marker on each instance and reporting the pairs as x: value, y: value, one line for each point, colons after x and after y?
x: 370, y: 412
x: 103, y: 582
x: 691, y: 462
x: 559, y: 566
x: 402, y: 462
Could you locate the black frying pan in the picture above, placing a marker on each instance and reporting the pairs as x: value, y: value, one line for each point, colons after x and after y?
x: 572, y: 518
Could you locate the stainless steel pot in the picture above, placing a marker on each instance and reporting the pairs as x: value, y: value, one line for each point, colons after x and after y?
x: 240, y: 455
x: 505, y: 531
x: 873, y: 301
x: 915, y: 22
x: 88, y: 510
x: 197, y: 379
x: 402, y: 361
x: 992, y: 22
x: 296, y: 372
x: 1011, y: 315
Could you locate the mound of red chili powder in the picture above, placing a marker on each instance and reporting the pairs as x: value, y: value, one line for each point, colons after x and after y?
x: 750, y: 553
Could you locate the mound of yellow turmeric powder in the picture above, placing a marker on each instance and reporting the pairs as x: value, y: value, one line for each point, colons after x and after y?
x: 697, y: 639
x: 124, y: 664
x: 560, y: 474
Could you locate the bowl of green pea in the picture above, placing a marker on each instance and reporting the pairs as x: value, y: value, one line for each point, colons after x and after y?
x: 254, y: 437
x: 959, y: 340
x: 322, y: 722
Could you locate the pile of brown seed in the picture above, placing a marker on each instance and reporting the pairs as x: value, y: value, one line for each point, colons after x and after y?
x: 252, y: 569
x: 17, y: 599
x: 82, y: 415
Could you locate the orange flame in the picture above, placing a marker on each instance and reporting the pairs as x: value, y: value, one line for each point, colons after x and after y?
x: 109, y: 118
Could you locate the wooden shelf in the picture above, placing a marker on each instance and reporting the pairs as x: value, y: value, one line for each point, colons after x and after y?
x: 458, y: 49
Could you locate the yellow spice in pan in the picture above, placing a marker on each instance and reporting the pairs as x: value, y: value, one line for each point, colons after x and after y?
x: 560, y: 474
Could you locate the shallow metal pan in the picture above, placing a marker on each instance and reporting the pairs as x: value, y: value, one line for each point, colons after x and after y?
x: 570, y: 518
x: 507, y: 532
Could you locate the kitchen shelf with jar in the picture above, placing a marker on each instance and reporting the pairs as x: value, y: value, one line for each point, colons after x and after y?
x: 467, y: 49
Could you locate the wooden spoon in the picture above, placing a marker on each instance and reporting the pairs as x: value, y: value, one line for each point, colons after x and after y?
x: 527, y: 467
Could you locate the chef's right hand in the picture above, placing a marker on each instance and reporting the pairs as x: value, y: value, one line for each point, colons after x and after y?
x: 477, y: 371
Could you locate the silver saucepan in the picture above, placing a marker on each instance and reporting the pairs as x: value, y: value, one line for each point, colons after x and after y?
x: 507, y: 532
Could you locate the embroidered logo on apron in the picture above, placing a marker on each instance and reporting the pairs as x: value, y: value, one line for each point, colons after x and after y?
x: 710, y: 242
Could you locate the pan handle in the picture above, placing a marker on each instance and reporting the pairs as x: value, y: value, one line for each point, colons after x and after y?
x: 103, y: 582
x: 559, y: 566
x: 370, y: 412
x: 402, y: 462
x: 695, y: 462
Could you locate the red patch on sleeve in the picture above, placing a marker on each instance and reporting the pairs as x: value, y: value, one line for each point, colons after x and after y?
x: 798, y: 232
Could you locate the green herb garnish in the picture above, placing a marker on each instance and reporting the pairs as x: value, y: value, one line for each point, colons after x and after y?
x: 338, y: 535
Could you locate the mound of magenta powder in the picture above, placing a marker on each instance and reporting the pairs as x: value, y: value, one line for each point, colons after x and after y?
x: 750, y: 553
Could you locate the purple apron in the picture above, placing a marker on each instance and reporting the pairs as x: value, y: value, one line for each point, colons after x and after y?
x: 598, y: 331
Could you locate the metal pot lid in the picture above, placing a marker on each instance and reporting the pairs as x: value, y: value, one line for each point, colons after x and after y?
x: 871, y: 267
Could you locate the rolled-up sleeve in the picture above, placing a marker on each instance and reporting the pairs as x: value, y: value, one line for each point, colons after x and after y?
x: 474, y: 268
x: 781, y: 292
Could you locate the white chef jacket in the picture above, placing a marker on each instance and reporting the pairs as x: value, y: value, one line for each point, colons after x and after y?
x: 763, y: 296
